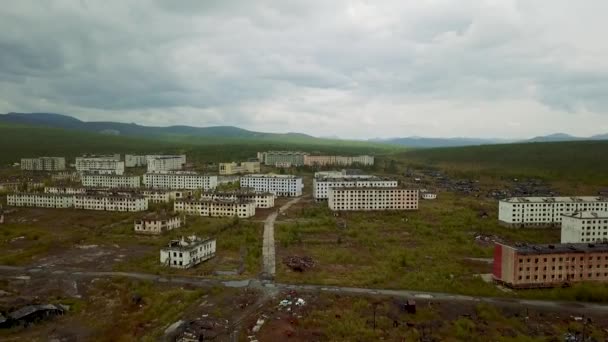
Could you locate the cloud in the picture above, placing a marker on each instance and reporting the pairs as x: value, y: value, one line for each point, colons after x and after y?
x: 351, y: 68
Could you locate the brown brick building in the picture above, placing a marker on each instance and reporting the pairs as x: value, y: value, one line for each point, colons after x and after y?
x: 531, y: 266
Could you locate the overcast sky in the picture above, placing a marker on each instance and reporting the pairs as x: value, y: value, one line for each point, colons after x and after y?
x: 356, y: 69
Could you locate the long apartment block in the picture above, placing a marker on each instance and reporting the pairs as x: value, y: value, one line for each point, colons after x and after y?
x: 164, y: 163
x: 263, y: 200
x: 369, y: 199
x: 107, y: 165
x: 179, y: 180
x: 537, y: 266
x: 110, y: 181
x: 43, y: 164
x: 279, y: 185
x: 338, y: 160
x: 79, y: 201
x: 321, y: 184
x: 546, y: 211
x: 239, y: 168
x: 216, y: 207
x: 282, y: 158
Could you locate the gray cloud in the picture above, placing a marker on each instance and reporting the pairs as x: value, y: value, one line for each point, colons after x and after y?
x: 481, y: 68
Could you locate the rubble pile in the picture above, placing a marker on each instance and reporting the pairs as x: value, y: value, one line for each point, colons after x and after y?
x: 523, y: 188
x: 299, y: 263
x: 203, y: 328
x: 484, y: 239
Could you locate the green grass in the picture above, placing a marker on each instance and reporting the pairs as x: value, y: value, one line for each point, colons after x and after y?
x: 580, y: 161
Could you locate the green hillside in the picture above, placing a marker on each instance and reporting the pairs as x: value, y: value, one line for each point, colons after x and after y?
x: 584, y: 161
x: 18, y: 141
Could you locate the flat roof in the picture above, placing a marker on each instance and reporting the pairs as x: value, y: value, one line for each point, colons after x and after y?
x: 186, y: 244
x: 216, y: 200
x: 559, y: 248
x: 353, y: 178
x: 588, y: 215
x: 370, y: 188
x: 559, y: 199
x: 269, y: 175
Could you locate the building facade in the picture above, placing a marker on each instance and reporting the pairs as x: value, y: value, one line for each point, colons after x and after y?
x: 179, y: 180
x: 537, y: 266
x: 546, y: 211
x: 132, y: 160
x: 40, y: 200
x: 263, y: 200
x: 164, y: 163
x: 43, y: 164
x: 338, y: 160
x: 242, y: 167
x: 186, y: 253
x: 216, y: 207
x: 130, y: 203
x: 322, y: 184
x: 366, y: 199
x: 106, y: 165
x: 157, y: 224
x: 282, y: 158
x: 166, y: 196
x: 110, y: 181
x: 585, y: 226
x: 64, y: 190
x: 279, y: 185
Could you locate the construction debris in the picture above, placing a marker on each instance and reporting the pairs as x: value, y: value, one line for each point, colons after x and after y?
x: 298, y: 263
x: 30, y: 314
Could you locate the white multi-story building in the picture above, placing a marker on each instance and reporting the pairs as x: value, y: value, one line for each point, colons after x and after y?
x: 545, y: 211
x: 428, y: 196
x: 338, y: 160
x: 163, y: 163
x: 216, y: 207
x: 180, y: 180
x: 282, y: 158
x: 243, y: 167
x: 130, y: 203
x: 263, y: 200
x: 43, y: 164
x: 110, y: 181
x: 321, y: 184
x: 585, y: 226
x: 157, y: 224
x: 66, y: 176
x: 279, y: 185
x: 132, y: 160
x: 107, y: 165
x: 165, y: 196
x: 40, y: 200
x: 372, y: 199
x: 186, y: 253
x: 64, y: 190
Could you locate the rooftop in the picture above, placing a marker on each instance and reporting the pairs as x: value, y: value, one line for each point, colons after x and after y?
x: 187, y: 243
x: 370, y: 188
x: 562, y: 199
x: 269, y: 175
x: 558, y: 248
x: 587, y: 215
x: 217, y: 200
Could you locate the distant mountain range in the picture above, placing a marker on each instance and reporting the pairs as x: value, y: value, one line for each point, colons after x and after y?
x: 117, y: 128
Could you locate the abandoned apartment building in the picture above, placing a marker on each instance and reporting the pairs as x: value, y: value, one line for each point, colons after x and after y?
x: 239, y: 168
x: 187, y: 252
x: 179, y: 180
x: 537, y: 266
x: 279, y: 185
x: 584, y: 226
x: 43, y: 164
x: 156, y: 224
x: 164, y: 163
x: 367, y: 199
x: 322, y: 182
x: 110, y: 181
x: 521, y: 212
x: 107, y: 165
x: 107, y: 202
x: 216, y: 207
x: 263, y: 200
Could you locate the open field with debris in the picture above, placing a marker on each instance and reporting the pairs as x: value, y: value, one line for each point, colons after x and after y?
x: 116, y: 309
x: 106, y: 241
x: 336, y: 317
x: 445, y: 246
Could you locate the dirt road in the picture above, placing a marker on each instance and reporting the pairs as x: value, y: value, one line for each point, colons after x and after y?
x: 268, y: 247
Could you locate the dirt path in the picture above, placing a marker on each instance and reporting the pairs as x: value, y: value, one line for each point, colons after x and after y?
x: 268, y: 247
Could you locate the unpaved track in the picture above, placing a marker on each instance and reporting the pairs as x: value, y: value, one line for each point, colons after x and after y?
x: 268, y: 246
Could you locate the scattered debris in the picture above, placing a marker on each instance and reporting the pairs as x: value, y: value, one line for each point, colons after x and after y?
x: 30, y: 314
x: 299, y: 264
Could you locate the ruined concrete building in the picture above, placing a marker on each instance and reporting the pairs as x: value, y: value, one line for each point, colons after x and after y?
x: 187, y: 252
x: 157, y: 224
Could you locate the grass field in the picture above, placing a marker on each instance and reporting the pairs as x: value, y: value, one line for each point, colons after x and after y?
x: 427, y: 250
x: 581, y: 161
